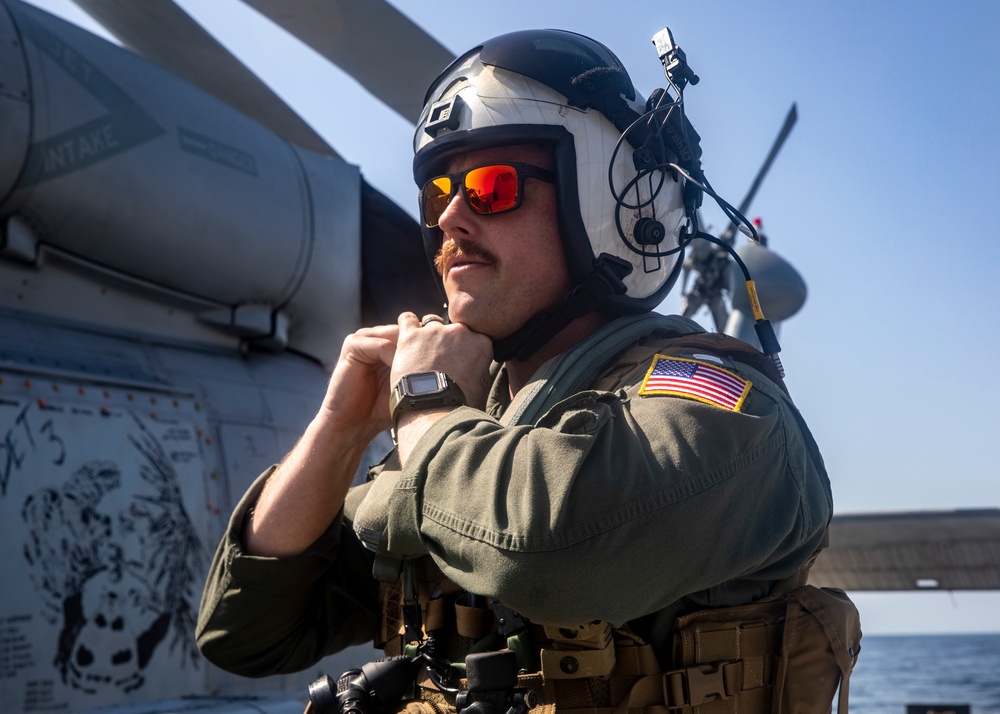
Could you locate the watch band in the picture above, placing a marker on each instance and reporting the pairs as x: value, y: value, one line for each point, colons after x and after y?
x: 423, y: 390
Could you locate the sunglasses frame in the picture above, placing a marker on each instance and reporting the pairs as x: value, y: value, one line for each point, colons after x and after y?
x: 522, y: 171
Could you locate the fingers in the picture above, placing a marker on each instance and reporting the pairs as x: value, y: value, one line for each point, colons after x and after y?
x: 371, y: 345
x: 429, y: 344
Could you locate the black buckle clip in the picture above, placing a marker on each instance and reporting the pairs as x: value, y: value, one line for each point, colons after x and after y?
x: 697, y: 685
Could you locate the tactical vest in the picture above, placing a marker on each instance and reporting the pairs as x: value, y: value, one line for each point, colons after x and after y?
x: 785, y: 654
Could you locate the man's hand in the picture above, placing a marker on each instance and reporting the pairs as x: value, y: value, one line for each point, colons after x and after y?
x: 357, y: 397
x: 304, y: 494
x: 462, y: 354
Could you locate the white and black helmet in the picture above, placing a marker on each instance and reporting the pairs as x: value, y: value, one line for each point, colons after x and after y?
x: 565, y: 90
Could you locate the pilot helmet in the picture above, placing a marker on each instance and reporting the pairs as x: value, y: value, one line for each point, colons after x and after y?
x: 561, y: 89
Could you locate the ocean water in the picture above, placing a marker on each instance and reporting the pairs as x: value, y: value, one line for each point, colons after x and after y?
x: 896, y: 670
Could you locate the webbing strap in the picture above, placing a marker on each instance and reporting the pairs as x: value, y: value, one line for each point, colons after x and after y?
x: 635, y: 660
x: 391, y: 618
x: 563, y: 375
x: 474, y: 622
x: 749, y: 640
x: 842, y: 696
x: 436, y: 615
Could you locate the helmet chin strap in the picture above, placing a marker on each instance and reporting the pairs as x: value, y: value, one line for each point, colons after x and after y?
x: 585, y: 297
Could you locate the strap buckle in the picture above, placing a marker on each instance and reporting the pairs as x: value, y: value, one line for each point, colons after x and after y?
x: 702, y: 683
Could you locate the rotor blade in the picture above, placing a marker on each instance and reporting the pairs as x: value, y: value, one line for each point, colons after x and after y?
x: 786, y: 129
x: 372, y: 41
x: 163, y: 33
x: 782, y: 135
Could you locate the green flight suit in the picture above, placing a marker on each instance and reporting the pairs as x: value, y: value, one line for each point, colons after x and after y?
x: 616, y: 504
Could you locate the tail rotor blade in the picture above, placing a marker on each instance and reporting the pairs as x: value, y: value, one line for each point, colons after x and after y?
x: 786, y: 129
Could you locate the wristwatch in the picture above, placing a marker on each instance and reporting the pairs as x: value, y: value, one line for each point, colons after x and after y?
x: 423, y: 390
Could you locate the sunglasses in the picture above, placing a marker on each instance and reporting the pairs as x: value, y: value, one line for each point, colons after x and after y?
x: 489, y: 189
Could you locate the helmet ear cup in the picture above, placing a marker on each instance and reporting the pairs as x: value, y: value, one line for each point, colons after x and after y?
x: 648, y: 231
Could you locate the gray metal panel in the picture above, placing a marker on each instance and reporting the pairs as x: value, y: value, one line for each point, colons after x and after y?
x: 102, y: 493
x: 75, y: 404
x: 947, y: 550
x: 73, y: 292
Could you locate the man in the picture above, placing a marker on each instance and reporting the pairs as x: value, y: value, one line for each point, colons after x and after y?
x: 573, y: 473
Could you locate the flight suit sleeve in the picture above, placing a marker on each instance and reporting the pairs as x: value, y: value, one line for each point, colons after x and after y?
x: 261, y: 615
x: 613, y: 504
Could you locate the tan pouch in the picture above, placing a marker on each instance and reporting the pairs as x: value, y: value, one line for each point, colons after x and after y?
x: 821, y: 643
x: 783, y: 656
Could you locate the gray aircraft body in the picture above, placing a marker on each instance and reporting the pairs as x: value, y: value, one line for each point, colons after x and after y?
x: 175, y: 282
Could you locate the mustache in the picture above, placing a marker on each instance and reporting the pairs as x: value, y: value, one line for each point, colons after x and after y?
x: 453, y: 249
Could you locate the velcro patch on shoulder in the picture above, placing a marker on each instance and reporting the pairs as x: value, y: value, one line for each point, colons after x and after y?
x: 695, y: 379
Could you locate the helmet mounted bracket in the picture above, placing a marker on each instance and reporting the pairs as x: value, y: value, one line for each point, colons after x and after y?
x: 444, y: 114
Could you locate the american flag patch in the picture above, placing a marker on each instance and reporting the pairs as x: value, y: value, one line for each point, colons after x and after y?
x: 690, y: 378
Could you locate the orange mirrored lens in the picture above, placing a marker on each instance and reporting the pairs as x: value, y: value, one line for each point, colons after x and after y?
x: 492, y: 189
x: 437, y: 194
x: 488, y: 189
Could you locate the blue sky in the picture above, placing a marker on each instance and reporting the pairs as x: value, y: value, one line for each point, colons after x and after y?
x: 881, y: 198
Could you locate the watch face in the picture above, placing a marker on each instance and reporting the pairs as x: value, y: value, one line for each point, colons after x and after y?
x: 423, y: 383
